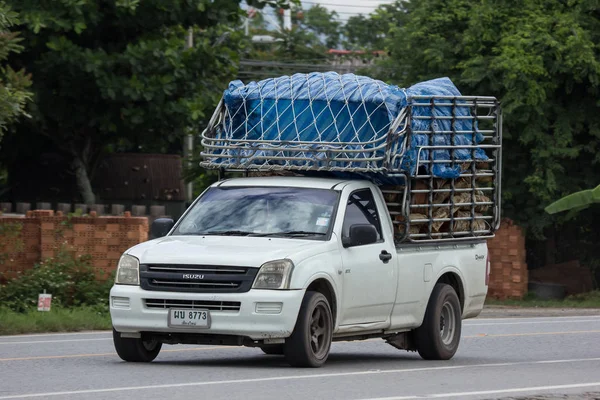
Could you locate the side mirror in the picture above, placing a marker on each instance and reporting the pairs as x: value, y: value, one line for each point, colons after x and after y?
x: 360, y: 235
x: 160, y: 227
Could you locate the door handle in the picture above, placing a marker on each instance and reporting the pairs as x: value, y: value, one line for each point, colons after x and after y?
x: 385, y: 256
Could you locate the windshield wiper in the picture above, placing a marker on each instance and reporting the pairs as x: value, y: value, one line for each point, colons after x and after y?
x: 294, y: 233
x: 226, y: 233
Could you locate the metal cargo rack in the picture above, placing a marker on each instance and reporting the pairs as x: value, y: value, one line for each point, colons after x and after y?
x: 423, y: 207
x: 433, y: 209
x: 222, y: 151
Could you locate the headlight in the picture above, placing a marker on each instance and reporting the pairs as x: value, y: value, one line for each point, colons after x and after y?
x: 274, y: 275
x: 128, y: 271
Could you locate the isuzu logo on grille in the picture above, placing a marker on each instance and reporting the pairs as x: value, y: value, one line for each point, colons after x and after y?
x: 193, y: 276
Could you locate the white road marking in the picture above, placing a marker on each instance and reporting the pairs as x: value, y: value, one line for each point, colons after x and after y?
x: 592, y: 318
x: 468, y: 323
x: 481, y: 335
x: 493, y: 392
x: 597, y: 316
x: 295, y: 377
x: 56, y: 334
x: 531, y: 322
x: 56, y: 341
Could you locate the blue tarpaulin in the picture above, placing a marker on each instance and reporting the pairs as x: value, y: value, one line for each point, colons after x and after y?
x: 332, y: 108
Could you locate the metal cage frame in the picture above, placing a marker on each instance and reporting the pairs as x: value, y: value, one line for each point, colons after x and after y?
x: 385, y: 155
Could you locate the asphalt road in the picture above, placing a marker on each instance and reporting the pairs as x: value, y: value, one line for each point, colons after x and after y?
x: 497, y: 358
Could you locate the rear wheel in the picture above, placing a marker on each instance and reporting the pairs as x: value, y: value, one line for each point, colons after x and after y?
x: 273, y: 349
x: 439, y: 335
x: 136, y: 350
x: 309, y: 344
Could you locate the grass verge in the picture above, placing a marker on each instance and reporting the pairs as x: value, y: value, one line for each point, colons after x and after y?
x: 583, y: 300
x: 55, y: 320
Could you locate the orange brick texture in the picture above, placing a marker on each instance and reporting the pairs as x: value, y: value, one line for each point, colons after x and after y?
x: 43, y: 233
x: 508, y: 273
x: 106, y: 238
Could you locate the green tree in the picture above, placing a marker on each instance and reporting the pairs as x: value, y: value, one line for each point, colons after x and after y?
x: 542, y: 60
x: 313, y: 32
x: 358, y: 33
x: 117, y: 74
x: 370, y: 32
x: 14, y: 93
x: 323, y: 23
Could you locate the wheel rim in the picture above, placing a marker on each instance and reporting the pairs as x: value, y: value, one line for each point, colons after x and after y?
x: 447, y: 323
x: 320, y: 330
x: 149, y: 345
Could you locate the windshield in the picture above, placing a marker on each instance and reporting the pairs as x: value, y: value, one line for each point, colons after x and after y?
x: 261, y: 211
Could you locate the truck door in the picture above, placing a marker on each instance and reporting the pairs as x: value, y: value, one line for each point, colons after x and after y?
x: 369, y: 271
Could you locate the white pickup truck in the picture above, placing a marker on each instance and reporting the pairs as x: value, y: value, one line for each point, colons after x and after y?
x: 291, y: 263
x: 288, y: 265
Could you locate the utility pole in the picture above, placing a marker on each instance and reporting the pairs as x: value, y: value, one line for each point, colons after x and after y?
x: 251, y: 13
x: 188, y: 139
x: 287, y: 19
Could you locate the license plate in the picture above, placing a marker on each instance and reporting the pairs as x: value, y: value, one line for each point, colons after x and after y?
x: 189, y: 318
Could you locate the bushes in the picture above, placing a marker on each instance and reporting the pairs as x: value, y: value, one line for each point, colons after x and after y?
x: 581, y: 300
x: 71, y: 281
x: 57, y: 320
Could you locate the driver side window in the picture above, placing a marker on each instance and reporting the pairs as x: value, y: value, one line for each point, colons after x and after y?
x: 361, y: 209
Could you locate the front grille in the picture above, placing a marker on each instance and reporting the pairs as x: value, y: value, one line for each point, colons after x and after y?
x: 233, y: 306
x: 196, y: 278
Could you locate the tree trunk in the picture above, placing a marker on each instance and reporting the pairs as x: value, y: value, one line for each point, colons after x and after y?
x: 83, y: 181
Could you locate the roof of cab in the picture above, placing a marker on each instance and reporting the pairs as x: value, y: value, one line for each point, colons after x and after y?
x: 289, y: 181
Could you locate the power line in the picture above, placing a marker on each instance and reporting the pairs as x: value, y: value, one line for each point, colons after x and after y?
x: 348, y: 6
x: 344, y: 5
x: 352, y: 12
x: 269, y: 67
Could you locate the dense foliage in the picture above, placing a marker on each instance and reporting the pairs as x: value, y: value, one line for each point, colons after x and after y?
x: 14, y: 84
x: 541, y: 58
x: 117, y: 74
x: 71, y: 281
x: 370, y: 32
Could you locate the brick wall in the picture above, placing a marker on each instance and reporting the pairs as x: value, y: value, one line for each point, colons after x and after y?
x: 43, y: 233
x: 508, y: 274
x: 19, y: 244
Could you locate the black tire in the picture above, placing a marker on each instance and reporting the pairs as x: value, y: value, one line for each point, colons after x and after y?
x: 135, y: 350
x: 439, y: 335
x: 310, y: 342
x: 273, y: 349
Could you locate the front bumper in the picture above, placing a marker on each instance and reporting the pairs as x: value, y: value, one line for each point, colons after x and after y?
x: 130, y: 314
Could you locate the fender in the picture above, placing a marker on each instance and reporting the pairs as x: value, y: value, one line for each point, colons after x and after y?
x: 439, y: 274
x: 336, y: 293
x: 463, y: 282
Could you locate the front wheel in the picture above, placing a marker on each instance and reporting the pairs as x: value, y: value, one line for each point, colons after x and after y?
x: 439, y: 335
x: 136, y: 350
x: 309, y: 344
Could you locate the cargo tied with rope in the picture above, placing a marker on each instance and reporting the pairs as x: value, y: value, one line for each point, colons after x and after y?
x: 435, y: 153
